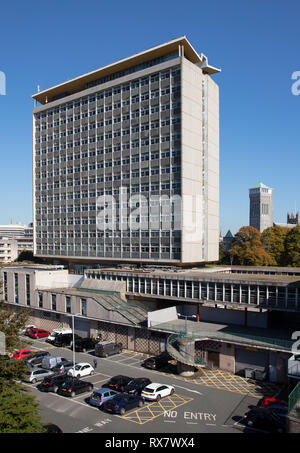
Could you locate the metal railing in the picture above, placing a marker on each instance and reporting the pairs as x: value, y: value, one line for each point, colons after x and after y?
x: 186, y: 358
x: 294, y: 398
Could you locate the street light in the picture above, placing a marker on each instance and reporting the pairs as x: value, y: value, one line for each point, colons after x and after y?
x: 73, y: 334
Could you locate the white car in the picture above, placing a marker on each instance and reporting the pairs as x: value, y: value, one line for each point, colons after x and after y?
x: 51, y: 337
x: 81, y: 370
x: 156, y: 391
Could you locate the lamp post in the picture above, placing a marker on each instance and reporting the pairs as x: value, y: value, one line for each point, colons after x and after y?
x: 73, y: 334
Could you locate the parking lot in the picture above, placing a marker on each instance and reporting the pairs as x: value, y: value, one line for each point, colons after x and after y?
x: 193, y: 408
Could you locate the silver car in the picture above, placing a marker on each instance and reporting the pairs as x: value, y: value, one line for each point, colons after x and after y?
x: 36, y: 374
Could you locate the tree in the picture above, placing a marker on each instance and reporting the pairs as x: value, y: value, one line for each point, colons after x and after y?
x: 18, y: 409
x: 273, y: 239
x: 247, y: 248
x: 292, y: 247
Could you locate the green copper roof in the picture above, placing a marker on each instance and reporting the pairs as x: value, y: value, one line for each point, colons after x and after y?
x: 229, y: 234
x: 260, y: 185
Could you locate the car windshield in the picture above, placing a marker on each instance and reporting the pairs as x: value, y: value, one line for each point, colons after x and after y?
x: 133, y: 384
x: 149, y: 390
x: 77, y: 367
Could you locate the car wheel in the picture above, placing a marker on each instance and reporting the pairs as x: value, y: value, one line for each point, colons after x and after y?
x: 141, y: 403
x: 90, y: 388
x: 83, y: 350
x: 249, y: 422
x: 55, y: 388
x: 122, y: 411
x: 33, y: 381
x: 92, y: 372
x: 106, y: 355
x: 172, y: 391
x: 158, y: 397
x: 78, y: 376
x: 72, y: 394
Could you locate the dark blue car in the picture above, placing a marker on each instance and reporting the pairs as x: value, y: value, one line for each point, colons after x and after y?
x: 123, y: 402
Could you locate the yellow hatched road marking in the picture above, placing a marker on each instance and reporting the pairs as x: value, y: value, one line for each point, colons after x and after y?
x: 156, y: 409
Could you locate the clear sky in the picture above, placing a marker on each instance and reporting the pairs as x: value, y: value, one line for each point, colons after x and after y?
x: 256, y: 44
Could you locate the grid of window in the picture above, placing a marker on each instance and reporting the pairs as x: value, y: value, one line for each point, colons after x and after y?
x: 127, y: 136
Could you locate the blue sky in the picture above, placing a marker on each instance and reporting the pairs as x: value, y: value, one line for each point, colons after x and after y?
x: 255, y: 43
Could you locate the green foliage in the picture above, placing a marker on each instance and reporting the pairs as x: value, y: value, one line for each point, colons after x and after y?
x: 18, y: 409
x: 18, y: 412
x: 273, y: 239
x: 292, y: 247
x: 248, y: 250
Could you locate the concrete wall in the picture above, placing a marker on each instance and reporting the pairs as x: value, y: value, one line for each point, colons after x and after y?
x: 164, y: 315
x: 224, y: 316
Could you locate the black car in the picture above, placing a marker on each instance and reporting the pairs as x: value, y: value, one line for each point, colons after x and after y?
x: 64, y: 339
x: 155, y: 363
x: 119, y: 404
x: 37, y: 358
x: 85, y: 344
x: 267, y: 419
x: 73, y: 387
x: 53, y: 429
x: 136, y: 386
x: 118, y: 383
x: 52, y: 383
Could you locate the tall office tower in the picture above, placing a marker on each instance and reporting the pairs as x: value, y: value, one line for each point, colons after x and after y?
x: 126, y: 161
x: 261, y: 207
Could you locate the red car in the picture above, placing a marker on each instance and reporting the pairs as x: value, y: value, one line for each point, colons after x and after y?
x: 268, y: 402
x: 38, y: 333
x: 21, y: 354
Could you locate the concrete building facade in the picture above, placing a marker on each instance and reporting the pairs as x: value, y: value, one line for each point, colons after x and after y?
x: 126, y: 161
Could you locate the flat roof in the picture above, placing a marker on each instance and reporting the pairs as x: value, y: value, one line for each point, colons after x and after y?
x: 79, y: 83
x: 197, y: 274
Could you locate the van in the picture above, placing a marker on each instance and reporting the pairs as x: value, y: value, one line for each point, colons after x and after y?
x: 106, y: 348
x: 55, y: 332
x: 50, y: 361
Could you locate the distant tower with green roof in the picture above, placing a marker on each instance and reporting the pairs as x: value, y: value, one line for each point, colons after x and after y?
x: 261, y: 207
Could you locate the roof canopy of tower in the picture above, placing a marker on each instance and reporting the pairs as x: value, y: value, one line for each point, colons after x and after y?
x: 260, y: 185
x: 79, y: 83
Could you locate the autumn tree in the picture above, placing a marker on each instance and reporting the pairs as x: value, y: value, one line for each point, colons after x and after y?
x: 273, y: 239
x: 247, y: 248
x: 292, y: 247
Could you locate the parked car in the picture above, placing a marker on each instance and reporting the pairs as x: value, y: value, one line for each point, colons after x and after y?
x: 38, y: 333
x: 156, y: 391
x: 50, y: 428
x: 53, y: 382
x: 267, y: 419
x: 57, y: 331
x: 136, y: 386
x: 73, y: 387
x: 27, y: 329
x: 107, y: 348
x: 81, y: 370
x: 155, y: 363
x: 36, y: 374
x: 100, y: 396
x: 63, y: 366
x: 118, y: 383
x: 22, y: 354
x: 64, y: 339
x: 37, y: 358
x: 50, y: 361
x: 268, y: 402
x: 85, y: 344
x: 121, y: 403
